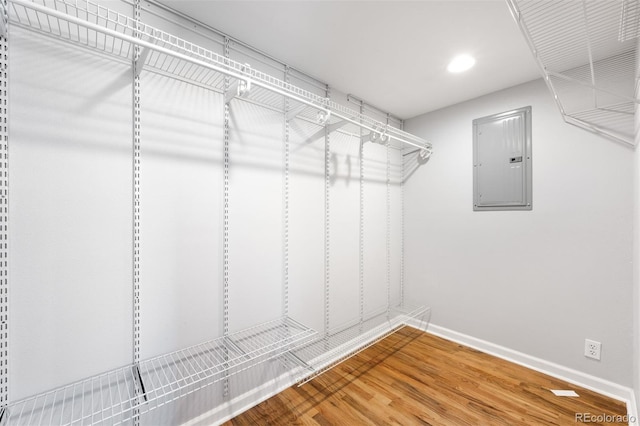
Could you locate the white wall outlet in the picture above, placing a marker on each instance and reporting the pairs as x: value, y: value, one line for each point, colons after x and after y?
x: 592, y: 349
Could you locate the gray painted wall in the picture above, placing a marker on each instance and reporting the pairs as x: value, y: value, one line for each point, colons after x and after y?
x: 538, y: 282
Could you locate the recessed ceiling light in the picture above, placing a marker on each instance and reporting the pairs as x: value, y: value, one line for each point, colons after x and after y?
x: 461, y: 63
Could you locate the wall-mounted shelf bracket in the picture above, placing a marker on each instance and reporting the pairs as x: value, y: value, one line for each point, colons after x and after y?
x: 4, y: 415
x: 4, y: 20
x: 238, y: 89
x: 229, y: 342
x: 323, y: 117
x: 328, y: 128
x: 424, y: 155
x: 292, y: 359
x: 241, y: 88
x: 142, y: 57
x: 295, y: 111
x: 139, y: 383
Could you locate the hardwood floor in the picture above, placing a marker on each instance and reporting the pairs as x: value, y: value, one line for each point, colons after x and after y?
x: 414, y: 378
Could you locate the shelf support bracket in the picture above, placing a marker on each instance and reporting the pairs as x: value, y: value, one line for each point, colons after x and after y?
x: 293, y: 112
x: 4, y: 20
x: 142, y: 57
x: 328, y: 128
x: 4, y: 415
x: 239, y: 89
x: 323, y: 117
x: 137, y: 377
x: 291, y: 358
x: 230, y: 343
x: 423, y: 155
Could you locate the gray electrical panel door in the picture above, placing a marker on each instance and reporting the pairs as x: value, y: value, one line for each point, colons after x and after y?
x: 502, y: 161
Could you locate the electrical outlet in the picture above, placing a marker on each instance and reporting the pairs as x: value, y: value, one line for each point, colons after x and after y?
x: 592, y: 349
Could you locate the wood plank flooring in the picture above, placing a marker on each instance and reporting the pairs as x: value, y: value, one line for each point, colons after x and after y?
x: 414, y: 378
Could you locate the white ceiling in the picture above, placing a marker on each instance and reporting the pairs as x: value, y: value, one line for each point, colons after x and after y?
x: 391, y: 53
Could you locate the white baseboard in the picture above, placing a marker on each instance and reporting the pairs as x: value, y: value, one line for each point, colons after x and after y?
x: 632, y: 409
x: 570, y: 375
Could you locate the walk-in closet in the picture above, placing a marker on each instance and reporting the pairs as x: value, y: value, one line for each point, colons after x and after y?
x: 268, y: 212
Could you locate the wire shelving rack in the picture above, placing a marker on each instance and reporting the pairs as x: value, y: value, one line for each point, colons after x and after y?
x: 114, y: 397
x: 107, y: 31
x: 122, y: 394
x: 586, y: 51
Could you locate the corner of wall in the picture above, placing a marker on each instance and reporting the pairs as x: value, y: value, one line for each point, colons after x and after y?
x: 636, y: 266
x: 561, y: 272
x: 636, y: 250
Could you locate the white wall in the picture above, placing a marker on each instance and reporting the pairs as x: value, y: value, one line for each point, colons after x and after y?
x: 70, y: 208
x: 538, y: 282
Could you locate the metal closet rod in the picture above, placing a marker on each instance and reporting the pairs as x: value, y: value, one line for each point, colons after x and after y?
x: 238, y: 75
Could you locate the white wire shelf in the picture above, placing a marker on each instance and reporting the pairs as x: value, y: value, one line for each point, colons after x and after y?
x: 118, y: 395
x: 341, y: 343
x: 96, y: 27
x: 586, y: 51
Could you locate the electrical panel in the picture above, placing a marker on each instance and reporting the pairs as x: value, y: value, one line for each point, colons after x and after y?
x: 502, y: 161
